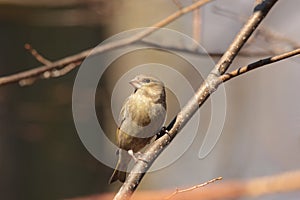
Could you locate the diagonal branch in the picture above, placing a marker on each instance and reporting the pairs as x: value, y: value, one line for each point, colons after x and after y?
x: 204, y: 91
x: 103, y: 48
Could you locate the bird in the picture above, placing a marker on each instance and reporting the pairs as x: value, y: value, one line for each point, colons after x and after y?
x: 141, y: 118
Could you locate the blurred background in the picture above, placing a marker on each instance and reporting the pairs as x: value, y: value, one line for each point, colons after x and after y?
x: 41, y: 155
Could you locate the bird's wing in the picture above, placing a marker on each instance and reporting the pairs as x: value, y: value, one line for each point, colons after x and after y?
x: 123, y: 113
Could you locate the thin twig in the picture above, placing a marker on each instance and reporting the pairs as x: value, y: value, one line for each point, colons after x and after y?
x: 178, y: 4
x: 65, y: 70
x: 47, y: 74
x: 37, y: 55
x: 194, y: 51
x: 227, y: 76
x: 177, y: 191
x: 196, y: 25
x: 103, y: 48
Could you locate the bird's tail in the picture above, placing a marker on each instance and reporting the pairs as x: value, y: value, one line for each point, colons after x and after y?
x: 117, y: 175
x: 121, y: 168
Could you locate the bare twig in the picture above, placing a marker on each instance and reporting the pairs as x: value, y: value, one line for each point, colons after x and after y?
x: 36, y: 55
x: 55, y: 72
x: 204, y: 91
x: 196, y: 25
x: 195, y: 51
x: 47, y: 74
x: 103, y: 48
x: 178, y: 48
x: 178, y: 4
x: 227, y: 76
x: 42, y: 60
x: 65, y: 70
x: 177, y: 191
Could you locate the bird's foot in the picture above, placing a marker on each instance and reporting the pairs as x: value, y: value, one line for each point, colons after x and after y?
x: 136, y: 156
x: 162, y: 132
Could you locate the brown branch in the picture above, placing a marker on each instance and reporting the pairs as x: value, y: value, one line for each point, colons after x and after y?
x: 42, y: 60
x: 227, y: 76
x: 177, y: 191
x: 204, y: 91
x: 66, y: 69
x: 53, y: 73
x: 47, y: 74
x: 109, y: 46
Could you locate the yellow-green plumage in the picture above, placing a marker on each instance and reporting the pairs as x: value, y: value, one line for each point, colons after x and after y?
x: 141, y: 117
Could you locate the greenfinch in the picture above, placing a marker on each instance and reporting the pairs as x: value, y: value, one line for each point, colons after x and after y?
x: 141, y: 118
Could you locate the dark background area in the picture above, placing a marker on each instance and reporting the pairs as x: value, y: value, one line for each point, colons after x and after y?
x: 41, y: 155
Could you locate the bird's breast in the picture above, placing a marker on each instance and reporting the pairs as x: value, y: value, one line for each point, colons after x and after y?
x: 144, y: 119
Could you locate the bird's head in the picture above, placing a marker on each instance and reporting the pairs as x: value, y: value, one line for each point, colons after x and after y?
x: 145, y: 81
x: 149, y: 87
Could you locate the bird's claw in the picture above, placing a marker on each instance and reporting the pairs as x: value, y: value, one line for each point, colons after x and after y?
x: 136, y: 156
x: 162, y: 132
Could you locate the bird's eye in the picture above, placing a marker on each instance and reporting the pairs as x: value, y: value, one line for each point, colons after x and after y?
x: 146, y: 80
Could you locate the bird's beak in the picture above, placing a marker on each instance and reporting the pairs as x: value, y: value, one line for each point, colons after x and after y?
x: 135, y: 83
